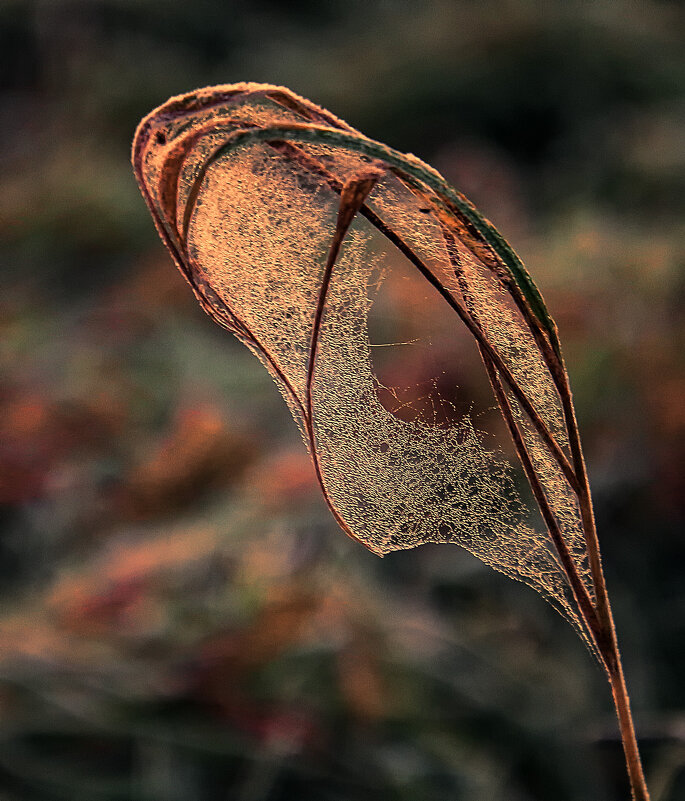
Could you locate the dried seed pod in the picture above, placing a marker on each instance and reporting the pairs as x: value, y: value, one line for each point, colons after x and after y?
x: 285, y: 220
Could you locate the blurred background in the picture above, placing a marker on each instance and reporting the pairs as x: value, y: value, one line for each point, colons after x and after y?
x: 180, y: 618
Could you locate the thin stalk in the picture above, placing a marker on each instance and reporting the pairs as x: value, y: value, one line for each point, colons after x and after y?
x: 607, y: 640
x: 609, y: 643
x: 598, y: 618
x: 631, y: 751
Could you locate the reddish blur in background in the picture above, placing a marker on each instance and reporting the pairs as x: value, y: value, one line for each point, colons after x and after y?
x: 180, y: 617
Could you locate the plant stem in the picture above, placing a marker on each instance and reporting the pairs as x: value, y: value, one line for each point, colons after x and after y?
x: 608, y: 641
x: 636, y: 776
x: 608, y: 645
x: 605, y: 635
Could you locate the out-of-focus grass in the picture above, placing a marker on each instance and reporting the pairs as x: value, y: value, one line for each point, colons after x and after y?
x: 181, y: 618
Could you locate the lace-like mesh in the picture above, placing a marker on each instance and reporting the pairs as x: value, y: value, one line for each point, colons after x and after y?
x: 260, y: 219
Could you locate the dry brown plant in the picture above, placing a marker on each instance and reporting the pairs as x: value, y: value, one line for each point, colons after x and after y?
x: 273, y: 209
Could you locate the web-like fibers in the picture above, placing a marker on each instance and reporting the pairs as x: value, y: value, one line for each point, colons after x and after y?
x: 260, y: 222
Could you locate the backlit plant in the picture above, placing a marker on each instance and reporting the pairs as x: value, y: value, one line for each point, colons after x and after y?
x: 285, y: 222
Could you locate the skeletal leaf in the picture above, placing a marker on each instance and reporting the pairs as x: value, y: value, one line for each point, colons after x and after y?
x: 273, y: 209
x: 285, y: 222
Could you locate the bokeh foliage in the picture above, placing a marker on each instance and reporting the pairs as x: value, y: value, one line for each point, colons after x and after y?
x: 180, y: 616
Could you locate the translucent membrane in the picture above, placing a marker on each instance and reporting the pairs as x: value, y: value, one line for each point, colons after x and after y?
x: 251, y: 220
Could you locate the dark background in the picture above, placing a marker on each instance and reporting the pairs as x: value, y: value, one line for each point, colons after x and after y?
x: 180, y: 618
